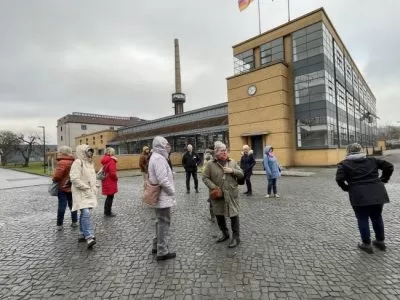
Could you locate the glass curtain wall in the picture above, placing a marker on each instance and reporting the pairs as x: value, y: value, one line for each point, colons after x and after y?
x: 331, y: 100
x: 178, y: 143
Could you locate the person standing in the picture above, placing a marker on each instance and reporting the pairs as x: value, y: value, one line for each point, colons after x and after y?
x: 247, y: 163
x: 272, y: 170
x: 190, y: 161
x: 223, y: 173
x: 84, y: 192
x: 161, y: 173
x: 109, y: 184
x: 143, y: 161
x: 61, y: 176
x: 358, y: 175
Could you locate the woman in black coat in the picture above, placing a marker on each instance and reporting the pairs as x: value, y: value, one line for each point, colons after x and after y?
x: 359, y: 176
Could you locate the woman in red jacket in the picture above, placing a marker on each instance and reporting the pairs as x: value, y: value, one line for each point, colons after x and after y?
x: 110, y: 182
x: 61, y: 176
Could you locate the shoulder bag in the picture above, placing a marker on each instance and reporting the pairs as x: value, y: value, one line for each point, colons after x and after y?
x: 151, y: 192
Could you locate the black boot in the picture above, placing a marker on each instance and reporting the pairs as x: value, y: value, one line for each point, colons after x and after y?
x: 222, y: 225
x: 235, y: 241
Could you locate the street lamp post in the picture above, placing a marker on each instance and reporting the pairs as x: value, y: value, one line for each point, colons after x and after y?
x: 44, y: 148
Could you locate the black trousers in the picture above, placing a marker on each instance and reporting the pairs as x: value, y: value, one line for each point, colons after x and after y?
x: 373, y: 212
x: 234, y: 225
x: 196, y: 181
x: 108, y: 204
x: 248, y: 182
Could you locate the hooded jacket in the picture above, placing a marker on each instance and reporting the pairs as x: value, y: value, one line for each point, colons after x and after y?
x: 63, y: 167
x: 83, y: 178
x: 160, y: 173
x: 109, y: 185
x: 359, y: 176
x: 271, y: 164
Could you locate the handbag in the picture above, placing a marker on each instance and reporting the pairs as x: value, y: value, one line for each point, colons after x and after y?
x: 151, y: 192
x: 240, y: 181
x: 101, y: 174
x: 216, y: 194
x: 53, y: 189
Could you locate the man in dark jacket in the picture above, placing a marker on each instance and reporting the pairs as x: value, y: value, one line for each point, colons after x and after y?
x: 359, y: 176
x: 247, y: 162
x: 190, y: 161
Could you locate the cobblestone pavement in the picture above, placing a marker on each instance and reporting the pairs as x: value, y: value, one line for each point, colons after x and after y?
x: 302, y: 246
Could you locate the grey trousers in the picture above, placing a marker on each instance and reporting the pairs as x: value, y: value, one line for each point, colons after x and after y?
x: 163, y: 221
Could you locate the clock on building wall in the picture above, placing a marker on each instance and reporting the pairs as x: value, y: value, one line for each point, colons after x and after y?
x: 251, y: 90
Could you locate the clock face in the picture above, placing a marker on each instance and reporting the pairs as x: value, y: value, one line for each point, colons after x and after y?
x: 252, y: 90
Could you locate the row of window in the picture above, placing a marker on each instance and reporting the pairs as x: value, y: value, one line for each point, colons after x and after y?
x: 178, y: 143
x: 270, y: 52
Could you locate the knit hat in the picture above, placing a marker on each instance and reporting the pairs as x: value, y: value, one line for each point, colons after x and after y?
x: 354, y: 148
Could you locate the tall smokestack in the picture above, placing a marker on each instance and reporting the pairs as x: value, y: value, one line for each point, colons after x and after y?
x: 178, y: 98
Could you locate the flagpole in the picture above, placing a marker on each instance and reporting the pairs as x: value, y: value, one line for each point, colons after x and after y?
x: 288, y: 9
x: 259, y: 18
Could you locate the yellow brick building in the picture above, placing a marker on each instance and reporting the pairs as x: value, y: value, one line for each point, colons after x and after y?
x: 97, y: 140
x: 297, y: 88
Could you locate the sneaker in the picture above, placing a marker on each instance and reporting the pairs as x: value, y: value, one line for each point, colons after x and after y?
x: 167, y: 256
x: 380, y: 245
x: 90, y: 242
x: 74, y: 225
x: 267, y: 196
x: 60, y: 228
x: 366, y: 248
x: 249, y: 194
x: 81, y: 238
x: 277, y: 196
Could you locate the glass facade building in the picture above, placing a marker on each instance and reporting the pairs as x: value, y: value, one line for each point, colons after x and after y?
x: 333, y: 104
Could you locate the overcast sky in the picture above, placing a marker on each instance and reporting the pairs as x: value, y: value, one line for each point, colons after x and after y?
x: 117, y: 57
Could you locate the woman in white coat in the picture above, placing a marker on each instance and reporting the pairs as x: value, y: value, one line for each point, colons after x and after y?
x: 84, y: 192
x: 160, y: 173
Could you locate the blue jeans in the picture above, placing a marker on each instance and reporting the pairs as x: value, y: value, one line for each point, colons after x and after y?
x: 373, y: 212
x: 65, y: 199
x: 86, y: 223
x: 272, y: 186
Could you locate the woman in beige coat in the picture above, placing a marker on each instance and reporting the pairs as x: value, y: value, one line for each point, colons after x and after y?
x: 84, y: 192
x: 223, y: 172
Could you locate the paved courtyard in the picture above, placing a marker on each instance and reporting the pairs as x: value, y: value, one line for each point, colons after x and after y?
x: 302, y: 246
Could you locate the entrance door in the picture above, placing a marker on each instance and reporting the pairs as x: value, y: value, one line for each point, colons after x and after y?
x: 257, y: 146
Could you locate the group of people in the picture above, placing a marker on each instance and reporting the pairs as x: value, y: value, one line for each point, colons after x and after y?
x: 77, y: 188
x: 357, y: 174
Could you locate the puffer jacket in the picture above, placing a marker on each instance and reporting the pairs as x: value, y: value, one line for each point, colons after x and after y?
x: 61, y: 175
x: 83, y: 178
x: 160, y: 173
x: 109, y: 185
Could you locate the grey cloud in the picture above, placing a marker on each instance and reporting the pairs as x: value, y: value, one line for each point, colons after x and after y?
x: 116, y: 57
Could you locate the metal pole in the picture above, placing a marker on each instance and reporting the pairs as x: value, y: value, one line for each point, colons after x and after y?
x: 44, y: 150
x: 288, y: 9
x: 259, y: 18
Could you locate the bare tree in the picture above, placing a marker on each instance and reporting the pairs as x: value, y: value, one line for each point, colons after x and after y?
x: 8, y: 145
x: 27, y: 146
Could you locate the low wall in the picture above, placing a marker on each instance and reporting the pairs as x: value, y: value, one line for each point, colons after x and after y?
x: 131, y: 161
